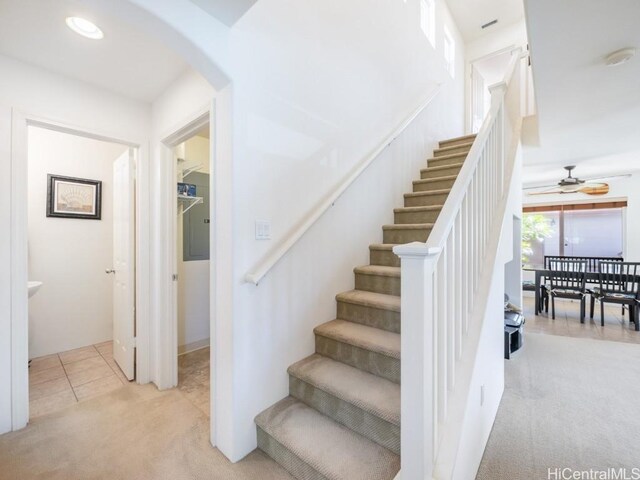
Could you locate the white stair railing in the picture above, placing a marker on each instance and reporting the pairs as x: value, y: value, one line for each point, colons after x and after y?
x: 441, y: 278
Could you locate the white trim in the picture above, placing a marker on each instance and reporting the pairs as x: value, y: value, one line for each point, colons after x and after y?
x: 261, y: 269
x: 193, y: 346
x: 19, y: 265
x: 168, y: 350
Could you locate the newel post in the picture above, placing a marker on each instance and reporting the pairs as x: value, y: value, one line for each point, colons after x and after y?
x: 417, y: 347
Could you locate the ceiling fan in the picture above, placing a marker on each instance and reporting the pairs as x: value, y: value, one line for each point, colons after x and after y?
x: 571, y: 184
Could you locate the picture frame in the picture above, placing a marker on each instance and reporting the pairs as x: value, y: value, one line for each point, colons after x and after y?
x: 70, y: 197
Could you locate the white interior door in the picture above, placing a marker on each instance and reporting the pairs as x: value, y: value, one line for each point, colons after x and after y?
x: 124, y: 264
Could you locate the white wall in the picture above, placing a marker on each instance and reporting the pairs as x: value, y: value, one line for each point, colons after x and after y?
x: 53, y: 97
x: 74, y: 307
x: 303, y: 114
x: 514, y: 35
x: 488, y: 365
x: 193, y: 276
x: 5, y: 272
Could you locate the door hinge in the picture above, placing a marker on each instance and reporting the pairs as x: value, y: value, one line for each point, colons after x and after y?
x: 174, y: 277
x: 134, y: 343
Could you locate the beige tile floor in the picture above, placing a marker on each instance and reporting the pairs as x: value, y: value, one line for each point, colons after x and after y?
x: 567, y: 322
x: 60, y: 380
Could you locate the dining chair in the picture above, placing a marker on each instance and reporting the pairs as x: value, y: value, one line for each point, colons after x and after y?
x: 567, y: 280
x: 619, y: 284
x: 530, y: 286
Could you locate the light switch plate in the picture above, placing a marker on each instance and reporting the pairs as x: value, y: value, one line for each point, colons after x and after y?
x: 263, y: 230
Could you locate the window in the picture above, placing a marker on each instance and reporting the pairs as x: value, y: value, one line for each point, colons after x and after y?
x: 449, y: 51
x: 428, y: 20
x: 592, y: 230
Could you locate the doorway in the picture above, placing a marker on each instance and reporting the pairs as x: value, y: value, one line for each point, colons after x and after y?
x: 81, y: 258
x: 193, y: 266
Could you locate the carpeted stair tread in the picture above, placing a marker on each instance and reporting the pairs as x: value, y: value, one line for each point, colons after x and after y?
x: 453, y: 148
x: 457, y: 140
x: 382, y: 246
x: 329, y: 448
x: 434, y: 179
x: 429, y: 193
x: 380, y: 270
x: 362, y: 336
x: 364, y: 390
x: 447, y: 157
x: 428, y: 208
x: 370, y: 299
x: 408, y: 226
x: 442, y: 167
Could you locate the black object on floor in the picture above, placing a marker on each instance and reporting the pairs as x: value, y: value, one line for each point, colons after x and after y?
x: 513, y: 329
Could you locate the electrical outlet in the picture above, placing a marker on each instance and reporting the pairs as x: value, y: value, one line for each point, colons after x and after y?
x: 263, y: 230
x: 481, y: 395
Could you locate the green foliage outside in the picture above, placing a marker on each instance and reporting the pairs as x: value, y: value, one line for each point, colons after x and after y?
x: 535, y: 228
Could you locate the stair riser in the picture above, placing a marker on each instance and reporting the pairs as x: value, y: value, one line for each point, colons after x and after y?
x: 286, y: 459
x: 440, y: 162
x: 406, y: 236
x: 425, y: 200
x: 448, y: 151
x: 365, y: 423
x: 384, y: 257
x: 451, y: 143
x: 430, y: 173
x: 435, y: 185
x: 373, y: 317
x: 378, y: 284
x: 429, y: 216
x: 366, y: 360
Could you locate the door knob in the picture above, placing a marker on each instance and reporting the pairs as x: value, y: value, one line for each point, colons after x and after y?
x: 109, y: 270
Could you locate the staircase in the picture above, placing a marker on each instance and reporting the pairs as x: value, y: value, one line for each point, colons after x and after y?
x: 341, y: 419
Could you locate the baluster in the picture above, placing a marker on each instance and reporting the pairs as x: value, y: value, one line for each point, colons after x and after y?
x: 458, y: 310
x: 465, y: 273
x: 441, y: 361
x: 451, y: 286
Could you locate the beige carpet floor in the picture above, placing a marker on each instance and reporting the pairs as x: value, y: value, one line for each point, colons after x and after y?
x: 568, y: 402
x: 133, y: 433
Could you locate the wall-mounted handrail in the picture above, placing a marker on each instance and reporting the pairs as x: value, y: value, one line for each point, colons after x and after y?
x: 256, y: 274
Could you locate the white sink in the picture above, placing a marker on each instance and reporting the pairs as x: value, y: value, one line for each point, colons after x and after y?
x: 33, y: 288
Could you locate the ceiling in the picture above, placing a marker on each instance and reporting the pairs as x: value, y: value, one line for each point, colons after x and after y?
x: 588, y: 113
x: 125, y: 61
x: 471, y: 15
x: 227, y: 11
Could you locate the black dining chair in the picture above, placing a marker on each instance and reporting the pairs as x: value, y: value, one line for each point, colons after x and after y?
x: 567, y: 280
x: 619, y: 284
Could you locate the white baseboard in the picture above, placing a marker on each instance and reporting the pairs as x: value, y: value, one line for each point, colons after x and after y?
x: 193, y: 346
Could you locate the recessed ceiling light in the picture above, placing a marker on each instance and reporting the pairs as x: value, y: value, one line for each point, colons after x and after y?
x: 619, y: 57
x: 84, y: 27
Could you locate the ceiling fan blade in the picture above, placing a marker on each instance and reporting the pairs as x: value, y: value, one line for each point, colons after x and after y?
x: 546, y: 192
x: 591, y: 189
x: 540, y: 186
x: 595, y: 189
x: 609, y: 177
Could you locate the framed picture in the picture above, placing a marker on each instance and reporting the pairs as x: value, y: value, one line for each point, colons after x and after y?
x: 69, y: 197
